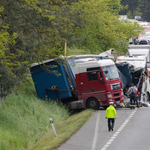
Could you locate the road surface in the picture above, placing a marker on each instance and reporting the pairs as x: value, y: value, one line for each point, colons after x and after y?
x: 131, y: 132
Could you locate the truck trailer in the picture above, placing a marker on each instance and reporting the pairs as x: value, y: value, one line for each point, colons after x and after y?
x: 93, y: 84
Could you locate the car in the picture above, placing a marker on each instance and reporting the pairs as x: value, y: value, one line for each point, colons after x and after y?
x: 138, y: 18
x: 144, y: 40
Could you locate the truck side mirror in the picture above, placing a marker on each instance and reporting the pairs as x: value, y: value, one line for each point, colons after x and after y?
x: 99, y: 76
x: 106, y: 72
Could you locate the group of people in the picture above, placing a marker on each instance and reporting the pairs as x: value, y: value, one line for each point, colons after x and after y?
x: 110, y: 113
x: 133, y: 96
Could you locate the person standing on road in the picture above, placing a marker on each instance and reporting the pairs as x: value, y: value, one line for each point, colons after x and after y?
x: 132, y: 90
x: 136, y: 98
x: 111, y: 115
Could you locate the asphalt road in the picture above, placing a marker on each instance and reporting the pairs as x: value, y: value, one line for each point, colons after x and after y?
x: 131, y: 132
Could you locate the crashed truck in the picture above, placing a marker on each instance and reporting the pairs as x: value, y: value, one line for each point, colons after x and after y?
x: 141, y: 50
x: 133, y: 69
x: 84, y: 84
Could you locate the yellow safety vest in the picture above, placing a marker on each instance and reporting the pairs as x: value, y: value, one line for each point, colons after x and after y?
x: 111, y: 112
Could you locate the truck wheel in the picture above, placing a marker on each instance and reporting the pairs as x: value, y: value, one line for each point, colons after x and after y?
x: 92, y: 103
x: 105, y: 107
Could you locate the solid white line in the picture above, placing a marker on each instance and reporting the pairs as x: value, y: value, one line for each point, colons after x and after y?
x: 118, y: 131
x: 96, y: 132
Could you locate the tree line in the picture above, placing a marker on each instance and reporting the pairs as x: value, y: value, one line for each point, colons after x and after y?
x: 136, y: 8
x: 36, y: 30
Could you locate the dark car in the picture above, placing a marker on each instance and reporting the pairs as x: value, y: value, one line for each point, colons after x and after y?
x: 144, y: 40
x: 138, y: 18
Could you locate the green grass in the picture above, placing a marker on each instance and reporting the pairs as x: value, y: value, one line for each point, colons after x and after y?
x: 64, y: 131
x: 75, y: 51
x: 25, y: 122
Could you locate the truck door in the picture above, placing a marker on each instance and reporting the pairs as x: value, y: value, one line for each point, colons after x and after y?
x: 93, y: 86
x: 97, y: 87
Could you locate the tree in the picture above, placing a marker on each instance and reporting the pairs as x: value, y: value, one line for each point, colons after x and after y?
x: 36, y: 30
x: 103, y: 29
x: 145, y: 5
x: 132, y: 5
x: 6, y: 74
x: 39, y: 28
x: 137, y: 8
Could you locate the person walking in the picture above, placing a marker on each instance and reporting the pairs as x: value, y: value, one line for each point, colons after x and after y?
x: 132, y: 90
x: 111, y: 115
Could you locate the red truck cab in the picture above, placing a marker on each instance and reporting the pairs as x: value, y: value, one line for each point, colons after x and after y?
x: 98, y: 83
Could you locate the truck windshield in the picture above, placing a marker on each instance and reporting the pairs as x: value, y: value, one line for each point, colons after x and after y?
x: 111, y: 72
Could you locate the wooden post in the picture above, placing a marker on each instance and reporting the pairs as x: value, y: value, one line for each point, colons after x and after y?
x: 65, y: 47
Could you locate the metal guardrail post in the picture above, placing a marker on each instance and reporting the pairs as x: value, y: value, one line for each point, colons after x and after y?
x: 51, y: 121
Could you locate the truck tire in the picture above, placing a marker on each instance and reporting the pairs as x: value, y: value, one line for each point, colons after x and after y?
x: 93, y: 103
x: 105, y: 107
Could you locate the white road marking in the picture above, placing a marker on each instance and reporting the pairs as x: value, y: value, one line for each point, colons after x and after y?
x: 96, y: 132
x: 118, y: 131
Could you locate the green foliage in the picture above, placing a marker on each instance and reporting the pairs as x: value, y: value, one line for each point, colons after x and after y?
x: 145, y: 5
x: 103, y: 30
x: 132, y: 5
x: 36, y: 30
x: 32, y: 31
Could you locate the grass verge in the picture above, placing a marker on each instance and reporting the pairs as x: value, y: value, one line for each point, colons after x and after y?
x: 64, y: 131
x: 25, y: 122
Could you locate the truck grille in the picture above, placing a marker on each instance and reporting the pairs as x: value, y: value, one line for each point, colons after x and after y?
x: 117, y: 99
x: 117, y: 94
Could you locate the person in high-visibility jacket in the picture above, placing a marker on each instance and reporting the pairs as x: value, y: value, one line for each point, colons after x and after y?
x: 111, y: 115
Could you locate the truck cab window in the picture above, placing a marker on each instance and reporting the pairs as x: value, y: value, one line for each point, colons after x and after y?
x: 93, y: 69
x: 112, y: 72
x: 92, y: 76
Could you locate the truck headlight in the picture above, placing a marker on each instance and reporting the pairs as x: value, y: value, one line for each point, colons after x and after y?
x: 109, y: 95
x: 122, y: 97
x: 122, y: 93
x: 110, y: 99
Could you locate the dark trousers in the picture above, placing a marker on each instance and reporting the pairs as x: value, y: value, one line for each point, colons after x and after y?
x: 132, y: 100
x: 136, y: 101
x: 111, y: 122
